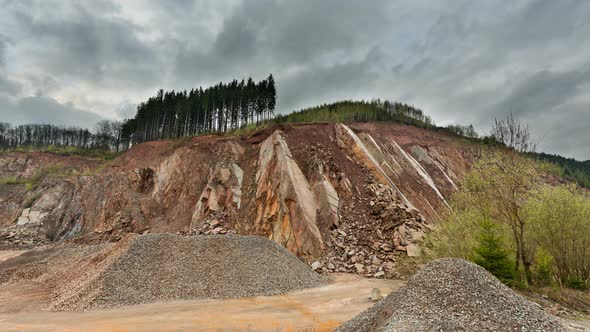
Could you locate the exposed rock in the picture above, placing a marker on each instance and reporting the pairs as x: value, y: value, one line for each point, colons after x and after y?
x: 322, y: 196
x: 286, y: 210
x: 222, y: 192
x: 326, y: 199
x: 412, y: 250
x: 316, y: 265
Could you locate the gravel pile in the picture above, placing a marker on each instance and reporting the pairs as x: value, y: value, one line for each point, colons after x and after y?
x: 453, y: 295
x: 164, y: 267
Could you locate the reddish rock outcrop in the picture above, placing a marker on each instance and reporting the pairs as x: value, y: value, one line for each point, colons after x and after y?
x: 285, y: 206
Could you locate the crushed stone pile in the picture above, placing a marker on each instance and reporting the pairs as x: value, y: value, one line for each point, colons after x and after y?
x: 453, y: 295
x: 165, y: 267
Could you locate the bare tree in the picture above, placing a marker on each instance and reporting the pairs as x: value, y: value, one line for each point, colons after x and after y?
x: 513, y: 134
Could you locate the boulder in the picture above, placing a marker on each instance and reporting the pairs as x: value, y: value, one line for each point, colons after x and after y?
x: 413, y: 251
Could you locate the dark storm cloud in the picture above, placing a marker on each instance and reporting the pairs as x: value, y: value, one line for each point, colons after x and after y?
x: 461, y: 61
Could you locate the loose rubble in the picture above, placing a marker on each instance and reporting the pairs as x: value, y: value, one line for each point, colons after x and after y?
x: 370, y: 246
x: 453, y: 295
x: 162, y: 267
x: 23, y: 236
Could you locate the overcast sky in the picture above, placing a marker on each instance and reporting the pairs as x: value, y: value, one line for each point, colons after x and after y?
x: 75, y: 62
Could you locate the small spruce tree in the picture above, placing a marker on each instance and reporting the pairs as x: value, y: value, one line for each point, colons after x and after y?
x: 490, y: 253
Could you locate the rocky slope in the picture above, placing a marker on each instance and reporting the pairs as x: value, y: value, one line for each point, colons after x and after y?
x: 343, y: 197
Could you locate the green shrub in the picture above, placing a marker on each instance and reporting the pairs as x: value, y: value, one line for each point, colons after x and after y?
x: 560, y: 223
x: 576, y: 283
x: 11, y: 180
x: 543, y: 267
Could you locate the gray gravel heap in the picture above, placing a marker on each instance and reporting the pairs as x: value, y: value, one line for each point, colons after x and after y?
x: 453, y: 295
x: 164, y: 267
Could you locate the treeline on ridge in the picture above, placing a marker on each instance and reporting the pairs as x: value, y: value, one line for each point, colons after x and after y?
x: 568, y: 168
x: 223, y: 107
x: 107, y: 135
x: 360, y: 111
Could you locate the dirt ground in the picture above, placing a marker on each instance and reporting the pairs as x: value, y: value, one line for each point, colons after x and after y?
x: 318, y: 309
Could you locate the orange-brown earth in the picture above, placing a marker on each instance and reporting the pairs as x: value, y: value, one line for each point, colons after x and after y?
x: 351, y: 197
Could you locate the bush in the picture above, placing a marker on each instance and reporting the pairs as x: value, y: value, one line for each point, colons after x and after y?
x: 576, y: 283
x: 11, y: 180
x: 543, y: 269
x: 560, y: 223
x: 455, y: 236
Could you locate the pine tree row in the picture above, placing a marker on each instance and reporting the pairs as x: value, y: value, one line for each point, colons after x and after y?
x: 220, y: 108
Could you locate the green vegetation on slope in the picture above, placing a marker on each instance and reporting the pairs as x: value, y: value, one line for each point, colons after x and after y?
x: 360, y: 111
x: 568, y: 168
x: 503, y: 197
x: 93, y: 153
x: 32, y: 182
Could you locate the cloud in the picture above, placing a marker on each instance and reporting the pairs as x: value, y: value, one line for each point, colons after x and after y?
x: 40, y: 109
x: 8, y: 87
x: 461, y: 61
x: 543, y: 91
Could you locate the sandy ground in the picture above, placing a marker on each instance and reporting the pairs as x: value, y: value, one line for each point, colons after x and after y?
x: 318, y: 309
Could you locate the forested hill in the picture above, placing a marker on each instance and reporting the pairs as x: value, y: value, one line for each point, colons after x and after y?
x: 360, y: 111
x: 569, y: 168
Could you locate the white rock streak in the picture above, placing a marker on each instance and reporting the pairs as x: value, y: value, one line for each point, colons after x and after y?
x: 360, y: 143
x: 421, y: 171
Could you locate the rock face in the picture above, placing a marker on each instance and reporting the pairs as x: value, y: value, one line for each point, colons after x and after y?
x: 223, y: 191
x: 327, y: 202
x: 351, y: 197
x: 285, y: 206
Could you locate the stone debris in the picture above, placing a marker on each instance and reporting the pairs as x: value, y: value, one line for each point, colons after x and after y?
x: 26, y: 235
x: 162, y: 267
x: 453, y: 295
x: 370, y: 248
x: 376, y: 295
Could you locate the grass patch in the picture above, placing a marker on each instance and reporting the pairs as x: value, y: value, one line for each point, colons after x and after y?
x: 572, y: 299
x: 69, y: 151
x: 32, y: 183
x: 11, y: 180
x: 179, y: 142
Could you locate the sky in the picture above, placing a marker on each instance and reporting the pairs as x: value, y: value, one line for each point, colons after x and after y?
x: 462, y: 62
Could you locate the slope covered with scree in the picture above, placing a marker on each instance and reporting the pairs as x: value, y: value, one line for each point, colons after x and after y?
x: 453, y: 295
